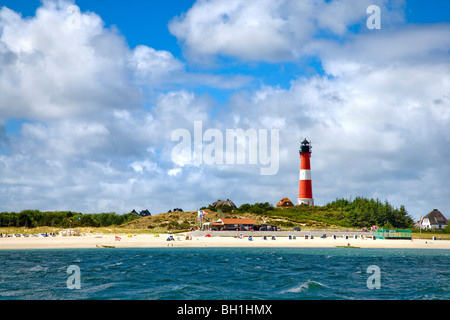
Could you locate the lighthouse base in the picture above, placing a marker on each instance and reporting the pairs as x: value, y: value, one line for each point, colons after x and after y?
x: 309, y: 202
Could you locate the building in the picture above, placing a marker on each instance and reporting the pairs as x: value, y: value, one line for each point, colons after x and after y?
x: 392, y: 234
x: 228, y: 202
x: 305, y: 187
x: 265, y: 227
x: 285, y: 202
x: 238, y: 225
x: 230, y: 224
x: 143, y: 213
x: 434, y: 220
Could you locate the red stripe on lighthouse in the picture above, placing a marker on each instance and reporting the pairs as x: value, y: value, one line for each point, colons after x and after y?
x: 305, y: 163
x: 305, y: 190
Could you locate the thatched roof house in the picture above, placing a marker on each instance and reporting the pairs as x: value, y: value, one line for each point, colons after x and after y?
x: 434, y: 220
x: 221, y: 203
x: 143, y: 213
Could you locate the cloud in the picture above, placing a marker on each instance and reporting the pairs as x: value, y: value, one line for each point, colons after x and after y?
x: 154, y: 67
x: 4, y: 141
x: 174, y: 172
x: 386, y: 48
x: 87, y: 144
x: 268, y: 30
x: 53, y: 70
x: 160, y: 69
x: 81, y: 71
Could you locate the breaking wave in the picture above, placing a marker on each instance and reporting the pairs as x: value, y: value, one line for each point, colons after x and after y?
x: 308, y: 285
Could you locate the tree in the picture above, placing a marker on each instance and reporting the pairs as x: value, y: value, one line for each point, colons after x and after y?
x: 446, y: 229
x: 260, y: 208
x: 388, y: 225
x: 225, y: 208
x: 86, y: 220
x: 244, y: 207
x: 25, y: 219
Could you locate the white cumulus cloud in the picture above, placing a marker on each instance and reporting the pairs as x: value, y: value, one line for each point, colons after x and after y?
x: 267, y: 30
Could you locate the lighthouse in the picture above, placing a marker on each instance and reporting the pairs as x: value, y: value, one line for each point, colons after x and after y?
x: 305, y: 188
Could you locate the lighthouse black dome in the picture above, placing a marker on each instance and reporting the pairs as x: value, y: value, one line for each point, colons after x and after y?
x: 305, y: 146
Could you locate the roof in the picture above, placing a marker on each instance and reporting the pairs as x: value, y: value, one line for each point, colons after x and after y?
x: 145, y: 213
x: 228, y: 202
x: 285, y: 202
x: 238, y: 221
x: 436, y: 217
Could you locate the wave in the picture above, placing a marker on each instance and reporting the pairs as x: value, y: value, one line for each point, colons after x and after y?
x: 308, y: 285
x: 38, y: 268
x: 114, y: 265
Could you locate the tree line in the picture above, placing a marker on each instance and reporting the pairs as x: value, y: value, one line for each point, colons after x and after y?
x: 256, y: 208
x: 363, y: 212
x: 63, y: 219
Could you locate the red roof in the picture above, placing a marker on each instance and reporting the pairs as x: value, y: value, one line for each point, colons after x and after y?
x: 238, y: 221
x: 285, y: 202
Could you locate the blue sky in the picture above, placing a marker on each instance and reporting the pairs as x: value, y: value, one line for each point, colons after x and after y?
x: 86, y: 115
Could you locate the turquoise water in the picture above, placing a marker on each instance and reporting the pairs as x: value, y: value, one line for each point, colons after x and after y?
x: 225, y: 273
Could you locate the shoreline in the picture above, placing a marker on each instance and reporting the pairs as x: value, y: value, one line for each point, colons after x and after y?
x: 152, y: 241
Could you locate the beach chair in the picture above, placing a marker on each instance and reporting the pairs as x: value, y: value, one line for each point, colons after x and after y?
x: 264, y: 237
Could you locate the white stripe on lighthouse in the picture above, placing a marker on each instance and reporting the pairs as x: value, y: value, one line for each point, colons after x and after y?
x: 309, y: 202
x: 305, y: 174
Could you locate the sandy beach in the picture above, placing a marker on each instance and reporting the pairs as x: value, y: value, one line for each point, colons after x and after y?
x: 150, y: 240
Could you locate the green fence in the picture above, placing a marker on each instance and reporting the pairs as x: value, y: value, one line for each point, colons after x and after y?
x: 392, y: 234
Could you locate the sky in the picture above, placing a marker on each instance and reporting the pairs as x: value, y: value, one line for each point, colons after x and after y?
x: 105, y: 106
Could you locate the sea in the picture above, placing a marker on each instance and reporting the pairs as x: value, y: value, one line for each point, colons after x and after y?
x: 225, y: 274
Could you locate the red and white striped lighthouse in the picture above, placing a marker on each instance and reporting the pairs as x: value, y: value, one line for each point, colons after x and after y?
x: 305, y: 188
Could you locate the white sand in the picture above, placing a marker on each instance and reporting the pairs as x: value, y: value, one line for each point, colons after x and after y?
x: 149, y: 240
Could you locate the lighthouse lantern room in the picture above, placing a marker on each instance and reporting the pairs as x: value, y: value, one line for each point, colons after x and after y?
x: 305, y: 186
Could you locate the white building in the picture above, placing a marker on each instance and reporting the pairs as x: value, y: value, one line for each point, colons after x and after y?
x: 434, y: 220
